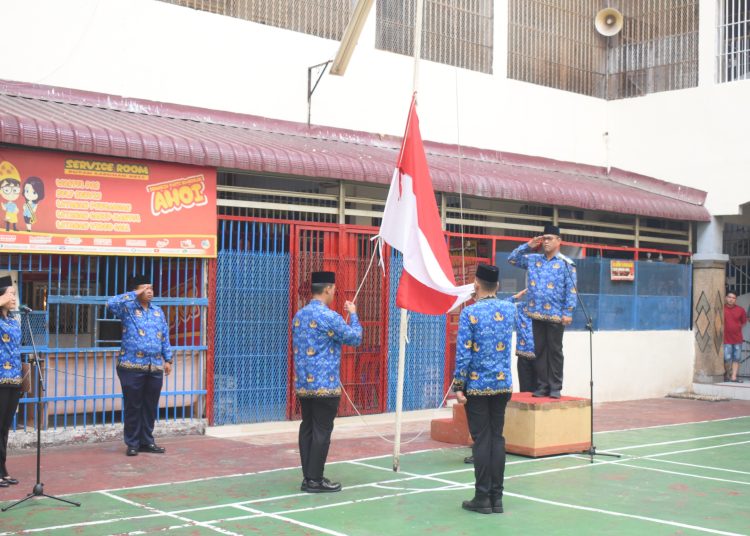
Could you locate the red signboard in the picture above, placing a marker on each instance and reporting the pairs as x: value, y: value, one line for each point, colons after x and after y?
x: 68, y: 203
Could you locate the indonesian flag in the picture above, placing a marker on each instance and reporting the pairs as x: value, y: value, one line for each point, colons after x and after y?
x: 411, y: 224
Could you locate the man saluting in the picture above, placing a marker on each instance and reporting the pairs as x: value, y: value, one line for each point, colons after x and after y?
x: 551, y: 302
x: 144, y: 359
x: 317, y: 334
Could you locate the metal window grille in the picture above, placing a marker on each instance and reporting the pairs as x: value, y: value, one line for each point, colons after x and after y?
x: 323, y: 18
x: 737, y: 246
x: 82, y: 386
x: 554, y: 43
x: 733, y: 40
x: 657, y: 49
x: 455, y: 32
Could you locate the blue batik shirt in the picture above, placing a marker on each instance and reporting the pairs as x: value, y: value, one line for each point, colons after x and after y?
x: 145, y: 333
x: 483, y: 347
x: 551, y: 283
x: 524, y: 333
x: 10, y: 351
x: 317, y: 335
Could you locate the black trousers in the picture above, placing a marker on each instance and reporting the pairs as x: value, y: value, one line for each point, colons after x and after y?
x: 315, y: 433
x: 9, y: 397
x: 141, y: 390
x: 548, y: 337
x: 486, y: 416
x: 527, y: 380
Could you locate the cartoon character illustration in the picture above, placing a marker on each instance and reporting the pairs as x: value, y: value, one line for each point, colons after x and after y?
x: 33, y: 192
x: 10, y: 189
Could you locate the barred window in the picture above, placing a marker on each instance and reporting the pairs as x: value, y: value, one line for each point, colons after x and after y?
x: 323, y: 18
x: 554, y: 43
x: 734, y: 40
x: 454, y: 32
x: 657, y: 48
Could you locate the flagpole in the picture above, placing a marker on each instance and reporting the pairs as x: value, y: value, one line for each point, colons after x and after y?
x: 404, y: 323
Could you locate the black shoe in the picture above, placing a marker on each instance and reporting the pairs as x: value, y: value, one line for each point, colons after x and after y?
x: 3, y: 484
x: 555, y: 394
x: 322, y: 486
x: 152, y: 448
x: 539, y: 393
x: 497, y: 505
x: 10, y: 480
x: 481, y: 506
x: 303, y: 486
x: 469, y: 459
x: 132, y: 451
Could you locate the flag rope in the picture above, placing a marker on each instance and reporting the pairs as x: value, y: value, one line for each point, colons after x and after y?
x: 381, y: 436
x: 460, y: 185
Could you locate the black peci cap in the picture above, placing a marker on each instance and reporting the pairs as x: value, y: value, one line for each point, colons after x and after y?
x: 488, y: 273
x: 138, y: 279
x: 6, y: 281
x: 551, y: 229
x: 326, y: 278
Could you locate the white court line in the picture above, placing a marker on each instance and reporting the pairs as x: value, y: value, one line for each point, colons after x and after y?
x: 202, y: 508
x: 683, y: 474
x: 695, y: 449
x: 279, y: 517
x: 453, y: 486
x: 355, y: 461
x: 674, y: 442
x: 709, y: 467
x: 175, y: 516
x: 87, y: 524
x: 620, y: 514
x: 670, y: 425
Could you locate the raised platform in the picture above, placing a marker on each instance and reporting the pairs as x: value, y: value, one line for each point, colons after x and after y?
x: 533, y: 426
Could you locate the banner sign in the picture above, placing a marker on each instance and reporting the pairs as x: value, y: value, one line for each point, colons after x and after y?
x: 68, y: 203
x: 622, y: 270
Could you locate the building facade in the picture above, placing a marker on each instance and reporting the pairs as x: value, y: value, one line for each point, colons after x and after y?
x: 533, y: 119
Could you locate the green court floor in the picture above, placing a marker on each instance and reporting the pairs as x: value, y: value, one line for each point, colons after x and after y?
x: 681, y: 479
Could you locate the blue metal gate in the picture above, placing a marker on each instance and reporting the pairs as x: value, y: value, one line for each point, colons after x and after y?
x: 72, y: 327
x: 252, y: 323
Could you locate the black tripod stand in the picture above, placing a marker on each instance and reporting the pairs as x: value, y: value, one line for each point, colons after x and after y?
x: 591, y: 451
x: 38, y: 490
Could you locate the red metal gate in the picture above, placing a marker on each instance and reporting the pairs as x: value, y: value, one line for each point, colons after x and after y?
x: 348, y: 251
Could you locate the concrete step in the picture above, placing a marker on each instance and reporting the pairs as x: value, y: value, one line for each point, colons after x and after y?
x: 737, y: 391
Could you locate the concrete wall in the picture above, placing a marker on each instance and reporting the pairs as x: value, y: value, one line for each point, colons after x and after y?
x: 646, y: 364
x: 158, y: 51
x: 153, y: 50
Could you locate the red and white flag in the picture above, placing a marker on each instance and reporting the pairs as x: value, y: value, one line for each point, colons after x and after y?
x: 411, y: 224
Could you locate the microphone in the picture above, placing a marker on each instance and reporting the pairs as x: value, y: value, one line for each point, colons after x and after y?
x: 24, y: 309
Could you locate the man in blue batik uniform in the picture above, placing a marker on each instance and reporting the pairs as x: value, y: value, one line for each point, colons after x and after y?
x: 483, y: 381
x: 527, y: 380
x: 145, y: 357
x: 317, y: 335
x: 551, y: 302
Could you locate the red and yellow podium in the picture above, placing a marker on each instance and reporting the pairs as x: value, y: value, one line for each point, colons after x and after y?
x: 533, y: 426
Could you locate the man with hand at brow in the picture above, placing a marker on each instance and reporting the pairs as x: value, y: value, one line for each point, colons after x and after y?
x: 551, y: 301
x: 145, y: 357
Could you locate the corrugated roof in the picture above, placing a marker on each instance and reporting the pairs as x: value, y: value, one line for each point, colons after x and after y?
x: 71, y: 120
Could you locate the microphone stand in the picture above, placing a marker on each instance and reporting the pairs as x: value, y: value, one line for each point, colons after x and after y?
x: 38, y: 490
x: 591, y: 451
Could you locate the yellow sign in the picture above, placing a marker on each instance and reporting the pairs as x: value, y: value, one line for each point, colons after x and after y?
x: 622, y: 270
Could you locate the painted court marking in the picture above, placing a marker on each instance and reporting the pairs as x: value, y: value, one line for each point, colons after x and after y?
x: 709, y: 467
x: 175, y: 516
x: 448, y: 485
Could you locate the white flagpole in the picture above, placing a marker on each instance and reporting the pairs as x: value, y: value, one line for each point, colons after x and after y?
x: 403, y: 325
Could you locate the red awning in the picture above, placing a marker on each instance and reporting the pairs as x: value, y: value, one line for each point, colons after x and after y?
x: 95, y: 123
